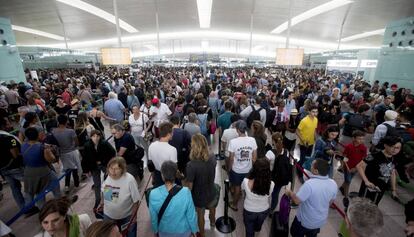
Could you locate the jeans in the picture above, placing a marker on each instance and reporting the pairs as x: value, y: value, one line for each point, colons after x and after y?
x: 297, y: 230
x: 14, y: 177
x: 74, y: 173
x: 96, y: 177
x: 304, y: 152
x: 275, y: 197
x: 253, y: 221
x: 123, y: 223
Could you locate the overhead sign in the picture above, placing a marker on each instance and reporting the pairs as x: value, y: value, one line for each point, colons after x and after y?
x: 289, y: 57
x: 116, y: 56
x: 342, y: 63
x: 368, y: 63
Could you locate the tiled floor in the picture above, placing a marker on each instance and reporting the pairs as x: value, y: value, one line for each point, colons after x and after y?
x: 393, y: 211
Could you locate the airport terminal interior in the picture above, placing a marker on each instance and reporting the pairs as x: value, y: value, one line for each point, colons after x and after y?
x: 179, y: 118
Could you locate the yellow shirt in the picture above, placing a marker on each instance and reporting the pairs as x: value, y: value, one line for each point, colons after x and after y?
x: 307, y: 129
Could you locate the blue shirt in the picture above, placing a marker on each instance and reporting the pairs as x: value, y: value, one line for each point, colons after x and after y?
x: 114, y: 109
x: 33, y: 155
x: 179, y: 216
x: 315, y: 196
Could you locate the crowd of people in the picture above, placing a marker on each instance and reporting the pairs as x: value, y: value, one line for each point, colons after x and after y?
x: 164, y: 120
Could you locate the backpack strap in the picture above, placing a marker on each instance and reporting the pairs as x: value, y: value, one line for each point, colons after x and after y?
x: 253, y: 109
x: 164, y: 206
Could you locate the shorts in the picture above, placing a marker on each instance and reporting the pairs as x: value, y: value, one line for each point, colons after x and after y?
x: 348, y: 176
x: 236, y: 179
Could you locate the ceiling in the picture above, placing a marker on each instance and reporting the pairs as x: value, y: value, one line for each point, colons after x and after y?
x: 182, y: 16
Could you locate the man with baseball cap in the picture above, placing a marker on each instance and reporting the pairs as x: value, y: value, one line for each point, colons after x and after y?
x: 159, y: 113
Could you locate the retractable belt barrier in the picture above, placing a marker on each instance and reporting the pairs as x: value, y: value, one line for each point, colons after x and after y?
x: 27, y: 207
x: 340, y: 211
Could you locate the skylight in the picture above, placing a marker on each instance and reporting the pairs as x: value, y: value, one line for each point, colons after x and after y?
x: 37, y: 32
x: 99, y: 12
x: 204, y: 12
x: 311, y: 13
x: 363, y: 35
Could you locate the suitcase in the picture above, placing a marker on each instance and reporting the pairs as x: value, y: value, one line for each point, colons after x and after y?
x: 277, y: 229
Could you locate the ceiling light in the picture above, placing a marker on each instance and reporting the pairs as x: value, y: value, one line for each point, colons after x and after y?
x: 363, y: 35
x: 311, y: 13
x: 99, y: 12
x: 204, y: 12
x: 37, y: 32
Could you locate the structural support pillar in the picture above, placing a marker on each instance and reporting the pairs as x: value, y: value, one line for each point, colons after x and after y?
x: 118, y: 29
x: 251, y: 29
x: 289, y: 23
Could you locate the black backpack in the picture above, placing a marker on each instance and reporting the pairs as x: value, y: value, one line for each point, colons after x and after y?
x: 355, y: 122
x: 398, y: 131
x: 254, y: 115
x: 282, y: 168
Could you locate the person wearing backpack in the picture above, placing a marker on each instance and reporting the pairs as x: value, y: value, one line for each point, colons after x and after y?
x: 254, y: 112
x: 352, y: 122
x: 386, y: 128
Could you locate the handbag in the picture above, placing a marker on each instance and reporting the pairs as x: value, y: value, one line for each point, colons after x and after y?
x: 216, y: 199
x: 213, y: 127
x: 147, y: 135
x: 151, y: 166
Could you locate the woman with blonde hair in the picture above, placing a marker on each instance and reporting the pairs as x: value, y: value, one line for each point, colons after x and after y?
x: 201, y: 171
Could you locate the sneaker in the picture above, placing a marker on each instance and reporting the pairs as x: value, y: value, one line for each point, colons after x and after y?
x: 66, y: 189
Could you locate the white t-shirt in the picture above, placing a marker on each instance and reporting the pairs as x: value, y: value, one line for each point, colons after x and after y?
x: 227, y: 136
x: 137, y: 126
x: 162, y: 114
x: 254, y: 202
x: 243, y: 148
x: 159, y: 152
x: 119, y: 196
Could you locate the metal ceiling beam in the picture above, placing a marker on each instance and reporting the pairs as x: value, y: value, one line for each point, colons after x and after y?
x: 63, y: 26
x: 158, y: 27
x: 251, y: 27
x: 342, y: 26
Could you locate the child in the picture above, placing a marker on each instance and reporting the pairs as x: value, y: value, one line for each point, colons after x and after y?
x: 354, y: 153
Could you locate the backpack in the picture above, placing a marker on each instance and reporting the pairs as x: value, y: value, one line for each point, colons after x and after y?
x: 282, y: 169
x: 203, y: 123
x: 355, y: 121
x: 398, y: 131
x: 270, y: 115
x: 254, y: 115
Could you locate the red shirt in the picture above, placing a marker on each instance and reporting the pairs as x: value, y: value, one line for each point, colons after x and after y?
x: 355, y: 154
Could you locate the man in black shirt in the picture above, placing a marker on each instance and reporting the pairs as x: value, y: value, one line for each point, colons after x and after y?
x: 125, y: 147
x: 11, y: 162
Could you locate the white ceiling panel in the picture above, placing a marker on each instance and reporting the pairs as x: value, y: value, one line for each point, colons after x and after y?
x: 182, y: 16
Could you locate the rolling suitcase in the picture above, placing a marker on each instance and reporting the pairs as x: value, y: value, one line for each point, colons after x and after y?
x: 278, y: 229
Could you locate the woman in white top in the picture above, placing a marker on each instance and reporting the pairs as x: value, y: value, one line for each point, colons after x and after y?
x: 258, y: 188
x: 56, y: 221
x: 120, y: 196
x: 138, y: 122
